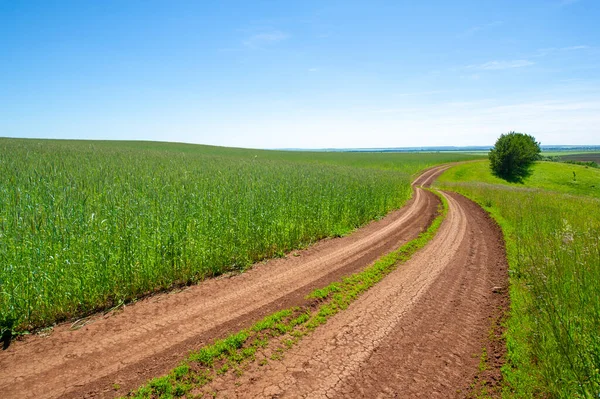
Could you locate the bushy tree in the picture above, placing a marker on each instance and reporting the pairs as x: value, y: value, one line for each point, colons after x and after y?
x: 513, y: 154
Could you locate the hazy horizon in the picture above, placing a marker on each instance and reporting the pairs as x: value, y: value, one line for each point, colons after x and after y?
x: 431, y: 148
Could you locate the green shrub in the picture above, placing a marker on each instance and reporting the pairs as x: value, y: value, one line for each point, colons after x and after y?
x: 513, y: 154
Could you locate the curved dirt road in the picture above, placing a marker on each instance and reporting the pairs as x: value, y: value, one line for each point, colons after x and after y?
x: 150, y: 337
x: 417, y: 333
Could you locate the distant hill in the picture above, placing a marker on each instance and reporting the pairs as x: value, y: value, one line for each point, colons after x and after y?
x: 447, y: 149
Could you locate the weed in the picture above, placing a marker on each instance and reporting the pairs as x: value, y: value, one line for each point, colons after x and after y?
x: 224, y: 368
x: 483, y: 359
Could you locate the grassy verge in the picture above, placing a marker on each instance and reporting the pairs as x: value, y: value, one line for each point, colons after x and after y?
x: 553, y: 249
x: 269, y: 338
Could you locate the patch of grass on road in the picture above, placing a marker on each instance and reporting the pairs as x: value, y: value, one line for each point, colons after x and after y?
x: 285, y: 327
x: 551, y: 226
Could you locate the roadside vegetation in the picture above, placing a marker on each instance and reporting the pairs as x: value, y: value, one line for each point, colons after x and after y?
x: 551, y: 224
x: 88, y: 225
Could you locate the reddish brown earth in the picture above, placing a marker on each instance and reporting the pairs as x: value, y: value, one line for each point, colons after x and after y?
x: 418, y: 333
x: 150, y: 337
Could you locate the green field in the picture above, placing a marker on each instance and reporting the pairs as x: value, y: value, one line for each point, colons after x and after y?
x: 553, y: 176
x: 86, y: 225
x: 551, y: 224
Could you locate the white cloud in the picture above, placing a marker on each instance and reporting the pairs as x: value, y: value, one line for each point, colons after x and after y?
x: 552, y: 121
x: 575, y: 48
x: 263, y: 39
x: 313, y: 69
x: 553, y: 50
x: 474, y: 29
x: 559, y: 116
x: 499, y: 65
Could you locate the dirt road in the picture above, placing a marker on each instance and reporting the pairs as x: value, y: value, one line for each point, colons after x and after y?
x: 418, y: 333
x: 150, y: 337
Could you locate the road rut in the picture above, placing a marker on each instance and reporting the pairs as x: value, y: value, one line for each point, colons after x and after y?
x: 417, y: 333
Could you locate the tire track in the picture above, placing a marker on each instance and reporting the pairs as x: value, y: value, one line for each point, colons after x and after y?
x: 417, y: 333
x: 153, y: 335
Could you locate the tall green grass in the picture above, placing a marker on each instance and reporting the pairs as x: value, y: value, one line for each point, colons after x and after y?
x: 553, y: 243
x: 87, y: 225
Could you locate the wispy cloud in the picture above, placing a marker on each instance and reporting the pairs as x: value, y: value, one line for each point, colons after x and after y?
x: 500, y: 65
x: 313, y: 69
x: 474, y: 29
x: 546, y: 106
x: 520, y: 63
x: 473, y: 76
x: 575, y: 48
x: 263, y: 39
x: 555, y: 117
x: 420, y: 93
x: 553, y: 50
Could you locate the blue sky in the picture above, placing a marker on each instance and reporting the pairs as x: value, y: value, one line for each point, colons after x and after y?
x: 303, y: 74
